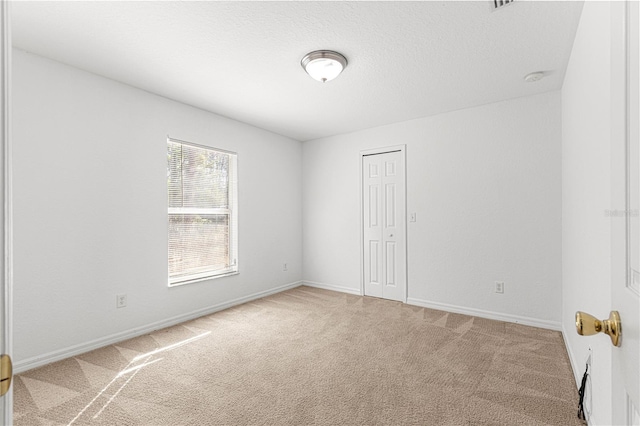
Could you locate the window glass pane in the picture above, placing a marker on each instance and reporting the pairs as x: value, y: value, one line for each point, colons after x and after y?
x: 197, y: 244
x: 197, y: 177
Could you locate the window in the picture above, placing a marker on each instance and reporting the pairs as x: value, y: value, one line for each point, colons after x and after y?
x: 203, y: 214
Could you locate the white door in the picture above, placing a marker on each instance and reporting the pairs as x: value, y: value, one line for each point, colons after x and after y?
x: 625, y: 228
x: 384, y: 225
x: 6, y: 401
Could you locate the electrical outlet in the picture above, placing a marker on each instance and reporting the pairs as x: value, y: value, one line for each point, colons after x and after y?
x: 121, y: 300
x: 499, y: 287
x: 284, y: 267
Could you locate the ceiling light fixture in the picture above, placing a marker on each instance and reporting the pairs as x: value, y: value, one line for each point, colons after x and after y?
x: 324, y: 65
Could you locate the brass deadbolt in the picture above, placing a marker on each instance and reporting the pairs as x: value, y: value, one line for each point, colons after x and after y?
x: 587, y: 325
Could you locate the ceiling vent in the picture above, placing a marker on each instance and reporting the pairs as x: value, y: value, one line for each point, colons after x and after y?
x: 499, y: 4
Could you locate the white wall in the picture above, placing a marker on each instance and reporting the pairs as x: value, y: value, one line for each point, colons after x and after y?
x: 90, y: 209
x: 485, y: 183
x: 586, y: 194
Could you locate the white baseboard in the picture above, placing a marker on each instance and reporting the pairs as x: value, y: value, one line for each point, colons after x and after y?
x: 61, y: 354
x: 534, y: 322
x: 332, y: 287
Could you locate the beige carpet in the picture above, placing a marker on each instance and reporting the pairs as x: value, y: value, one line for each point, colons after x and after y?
x: 309, y: 356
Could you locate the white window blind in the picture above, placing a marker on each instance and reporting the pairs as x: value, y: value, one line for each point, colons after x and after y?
x: 202, y: 209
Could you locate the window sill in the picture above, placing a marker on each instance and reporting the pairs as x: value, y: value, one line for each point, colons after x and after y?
x: 197, y: 280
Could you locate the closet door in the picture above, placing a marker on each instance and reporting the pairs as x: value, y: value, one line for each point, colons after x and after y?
x: 384, y: 233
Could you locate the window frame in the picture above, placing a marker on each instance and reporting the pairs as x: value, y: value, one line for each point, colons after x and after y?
x: 231, y: 211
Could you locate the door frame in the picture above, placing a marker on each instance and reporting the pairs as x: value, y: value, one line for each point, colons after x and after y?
x: 6, y: 281
x: 383, y: 150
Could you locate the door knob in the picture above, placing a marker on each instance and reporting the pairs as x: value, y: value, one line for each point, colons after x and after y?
x: 587, y: 325
x: 6, y: 373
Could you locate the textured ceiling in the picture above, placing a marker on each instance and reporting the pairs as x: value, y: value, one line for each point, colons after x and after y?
x: 242, y: 59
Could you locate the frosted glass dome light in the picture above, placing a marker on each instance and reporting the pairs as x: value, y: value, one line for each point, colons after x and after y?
x: 324, y: 65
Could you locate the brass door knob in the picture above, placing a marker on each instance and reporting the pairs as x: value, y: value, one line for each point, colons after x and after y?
x: 6, y: 373
x: 587, y: 325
